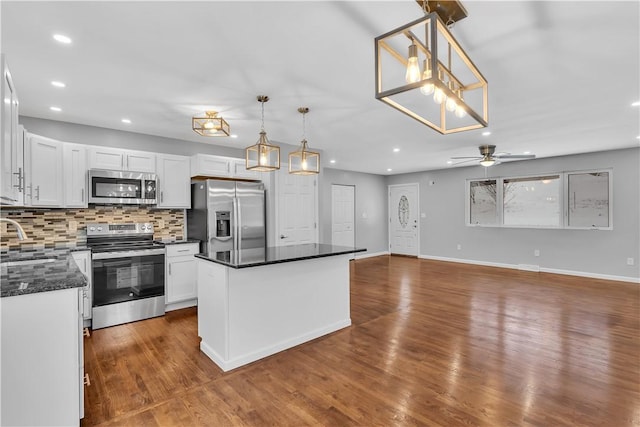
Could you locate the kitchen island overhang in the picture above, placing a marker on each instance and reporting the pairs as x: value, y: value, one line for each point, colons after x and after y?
x: 254, y: 303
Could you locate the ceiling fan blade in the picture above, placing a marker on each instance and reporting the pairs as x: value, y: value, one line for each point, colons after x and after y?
x: 464, y: 161
x: 475, y: 158
x: 515, y: 156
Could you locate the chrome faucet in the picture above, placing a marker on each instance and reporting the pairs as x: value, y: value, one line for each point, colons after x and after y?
x: 19, y: 229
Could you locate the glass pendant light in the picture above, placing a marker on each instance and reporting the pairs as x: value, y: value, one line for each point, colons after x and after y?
x: 262, y: 156
x: 304, y: 161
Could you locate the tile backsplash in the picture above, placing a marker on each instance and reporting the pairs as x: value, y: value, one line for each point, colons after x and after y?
x: 53, y: 228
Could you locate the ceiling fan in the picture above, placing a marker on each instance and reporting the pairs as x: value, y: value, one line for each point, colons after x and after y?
x: 488, y: 156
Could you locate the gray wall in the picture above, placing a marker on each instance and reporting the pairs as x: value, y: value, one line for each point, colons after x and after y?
x: 371, y: 207
x: 588, y: 251
x: 91, y: 135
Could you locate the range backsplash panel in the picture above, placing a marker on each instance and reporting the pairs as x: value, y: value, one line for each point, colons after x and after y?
x: 60, y: 228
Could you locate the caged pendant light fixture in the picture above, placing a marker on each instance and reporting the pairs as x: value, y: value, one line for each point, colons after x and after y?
x: 210, y: 125
x: 458, y: 91
x: 304, y: 161
x: 262, y: 156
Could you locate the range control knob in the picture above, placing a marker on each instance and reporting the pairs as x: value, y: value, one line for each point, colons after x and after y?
x: 99, y: 228
x: 92, y: 229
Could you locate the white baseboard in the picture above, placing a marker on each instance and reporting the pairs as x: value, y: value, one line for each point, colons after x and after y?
x: 181, y: 304
x: 361, y: 255
x: 535, y: 268
x: 227, y: 365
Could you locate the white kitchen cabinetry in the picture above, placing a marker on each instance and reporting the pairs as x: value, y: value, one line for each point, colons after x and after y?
x: 75, y: 176
x: 206, y: 165
x: 44, y: 176
x: 174, y: 181
x: 239, y: 170
x: 41, y: 359
x: 83, y: 260
x: 118, y: 159
x: 11, y: 168
x: 181, y: 275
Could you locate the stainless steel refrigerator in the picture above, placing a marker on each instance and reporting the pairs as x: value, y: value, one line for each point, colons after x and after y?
x: 227, y: 215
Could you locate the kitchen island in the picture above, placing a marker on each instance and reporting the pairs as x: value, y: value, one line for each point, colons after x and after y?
x: 253, y: 303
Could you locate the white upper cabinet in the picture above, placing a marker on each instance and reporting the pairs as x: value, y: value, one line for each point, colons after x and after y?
x: 75, y: 175
x: 174, y: 181
x: 44, y: 166
x: 217, y: 166
x: 11, y: 168
x: 206, y: 165
x: 119, y: 159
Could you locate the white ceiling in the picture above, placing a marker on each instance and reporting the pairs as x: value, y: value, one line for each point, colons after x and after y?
x: 562, y: 75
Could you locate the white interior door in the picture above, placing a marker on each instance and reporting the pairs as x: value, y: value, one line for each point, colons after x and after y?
x: 297, y: 213
x: 403, y: 219
x: 343, y: 215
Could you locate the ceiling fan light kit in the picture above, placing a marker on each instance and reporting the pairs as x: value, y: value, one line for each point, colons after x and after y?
x: 304, y: 161
x: 460, y: 92
x: 489, y: 158
x: 210, y: 125
x: 262, y: 156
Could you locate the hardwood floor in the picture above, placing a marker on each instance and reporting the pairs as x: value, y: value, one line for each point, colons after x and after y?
x: 432, y: 343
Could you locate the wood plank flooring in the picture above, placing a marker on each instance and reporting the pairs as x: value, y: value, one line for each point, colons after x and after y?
x: 432, y: 344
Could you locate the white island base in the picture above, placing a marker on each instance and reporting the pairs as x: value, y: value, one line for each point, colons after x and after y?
x: 246, y: 314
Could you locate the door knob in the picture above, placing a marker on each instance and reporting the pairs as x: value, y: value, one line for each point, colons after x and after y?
x: 282, y: 236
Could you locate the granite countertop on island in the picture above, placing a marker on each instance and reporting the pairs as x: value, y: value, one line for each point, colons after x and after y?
x: 254, y: 257
x: 50, y: 271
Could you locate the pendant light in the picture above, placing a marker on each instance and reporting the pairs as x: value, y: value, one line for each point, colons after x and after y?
x: 262, y: 156
x: 304, y: 161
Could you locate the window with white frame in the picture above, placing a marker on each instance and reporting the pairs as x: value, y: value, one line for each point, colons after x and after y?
x: 580, y: 199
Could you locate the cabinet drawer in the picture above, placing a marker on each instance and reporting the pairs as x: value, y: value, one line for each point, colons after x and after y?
x: 182, y: 249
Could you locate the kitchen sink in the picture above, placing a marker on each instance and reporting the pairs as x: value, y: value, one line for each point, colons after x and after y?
x: 22, y: 262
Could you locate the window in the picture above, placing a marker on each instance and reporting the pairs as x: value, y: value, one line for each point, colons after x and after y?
x: 483, y: 202
x: 533, y: 201
x: 588, y: 194
x: 580, y: 199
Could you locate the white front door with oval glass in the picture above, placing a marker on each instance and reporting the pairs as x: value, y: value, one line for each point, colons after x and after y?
x: 403, y: 219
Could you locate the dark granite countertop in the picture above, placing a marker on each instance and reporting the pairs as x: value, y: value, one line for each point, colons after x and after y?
x: 28, y: 278
x: 274, y: 255
x: 176, y: 242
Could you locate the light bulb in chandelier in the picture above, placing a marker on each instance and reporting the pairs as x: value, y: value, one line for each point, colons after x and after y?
x: 426, y: 89
x: 439, y: 96
x: 413, y: 68
x: 263, y: 157
x: 451, y: 104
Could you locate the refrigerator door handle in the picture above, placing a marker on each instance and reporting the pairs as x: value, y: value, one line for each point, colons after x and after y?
x: 238, y: 223
x: 235, y: 221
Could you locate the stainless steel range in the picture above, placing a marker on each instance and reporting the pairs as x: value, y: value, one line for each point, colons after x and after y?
x: 128, y: 273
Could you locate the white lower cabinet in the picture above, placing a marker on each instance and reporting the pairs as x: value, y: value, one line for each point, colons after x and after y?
x: 42, y: 359
x: 83, y: 261
x: 181, y: 275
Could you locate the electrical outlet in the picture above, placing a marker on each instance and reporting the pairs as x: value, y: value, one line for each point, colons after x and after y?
x: 423, y: 215
x: 73, y: 225
x: 459, y: 247
x: 536, y: 252
x: 630, y: 261
x: 161, y: 223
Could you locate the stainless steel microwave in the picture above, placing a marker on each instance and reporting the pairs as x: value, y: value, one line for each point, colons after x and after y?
x: 122, y: 187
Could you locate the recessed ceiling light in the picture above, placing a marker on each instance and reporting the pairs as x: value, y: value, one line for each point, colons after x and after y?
x: 61, y: 38
x: 332, y: 161
x: 55, y: 109
x: 486, y: 133
x: 638, y: 137
x: 234, y: 136
x: 527, y: 152
x: 449, y: 162
x: 389, y: 169
x: 58, y: 84
x: 636, y: 104
x: 395, y: 150
x: 127, y: 121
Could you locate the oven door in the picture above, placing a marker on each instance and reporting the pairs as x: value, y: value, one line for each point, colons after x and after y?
x: 127, y: 276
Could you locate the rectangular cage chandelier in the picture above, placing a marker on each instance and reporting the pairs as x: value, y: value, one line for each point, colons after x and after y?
x: 422, y: 71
